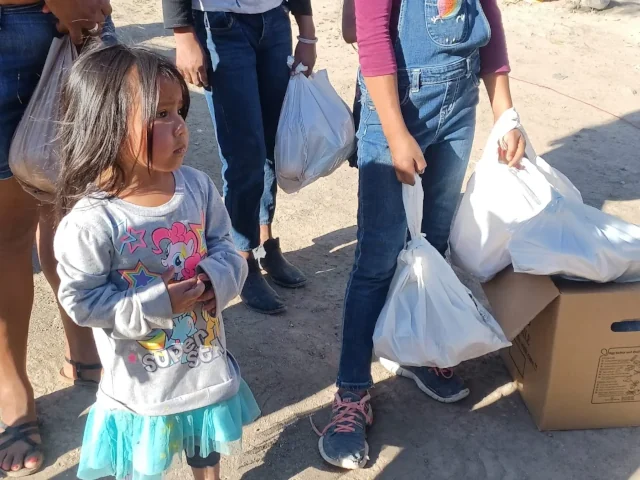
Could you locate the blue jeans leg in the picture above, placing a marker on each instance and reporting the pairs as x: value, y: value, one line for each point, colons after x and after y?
x: 382, y: 228
x: 273, y: 80
x: 442, y: 180
x: 25, y: 37
x: 245, y: 98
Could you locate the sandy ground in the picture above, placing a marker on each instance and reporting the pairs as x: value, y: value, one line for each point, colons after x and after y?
x: 291, y: 361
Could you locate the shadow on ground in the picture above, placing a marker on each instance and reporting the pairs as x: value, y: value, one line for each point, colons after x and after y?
x: 630, y: 8
x: 63, y: 415
x: 584, y: 157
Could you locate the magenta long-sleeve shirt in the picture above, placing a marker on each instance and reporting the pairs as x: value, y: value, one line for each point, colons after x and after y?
x: 375, y: 37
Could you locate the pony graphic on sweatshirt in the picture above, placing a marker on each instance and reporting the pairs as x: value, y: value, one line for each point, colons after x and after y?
x: 181, y: 249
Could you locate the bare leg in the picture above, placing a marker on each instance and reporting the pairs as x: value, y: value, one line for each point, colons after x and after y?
x: 265, y: 233
x: 18, y: 217
x: 210, y: 473
x: 80, y: 345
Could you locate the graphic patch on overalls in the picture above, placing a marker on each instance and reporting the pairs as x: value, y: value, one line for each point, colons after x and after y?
x: 448, y: 8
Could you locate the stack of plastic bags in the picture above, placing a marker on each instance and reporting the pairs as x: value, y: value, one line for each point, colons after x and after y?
x: 534, y: 218
x: 430, y: 318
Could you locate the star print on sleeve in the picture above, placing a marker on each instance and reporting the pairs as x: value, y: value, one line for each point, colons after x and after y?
x: 198, y: 229
x: 139, y: 276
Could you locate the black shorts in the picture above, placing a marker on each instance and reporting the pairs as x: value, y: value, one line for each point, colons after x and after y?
x: 198, y: 462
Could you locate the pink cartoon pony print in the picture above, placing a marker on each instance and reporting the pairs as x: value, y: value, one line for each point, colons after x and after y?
x: 182, y: 249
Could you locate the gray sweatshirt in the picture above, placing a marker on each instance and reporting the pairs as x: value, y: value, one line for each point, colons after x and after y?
x: 111, y: 254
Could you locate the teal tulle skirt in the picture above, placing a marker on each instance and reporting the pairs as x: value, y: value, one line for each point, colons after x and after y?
x: 127, y: 446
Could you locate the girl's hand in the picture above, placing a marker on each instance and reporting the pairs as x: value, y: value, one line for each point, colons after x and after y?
x: 407, y: 158
x: 305, y: 54
x: 184, y: 294
x: 79, y: 17
x: 208, y: 298
x: 190, y: 58
x: 511, y: 148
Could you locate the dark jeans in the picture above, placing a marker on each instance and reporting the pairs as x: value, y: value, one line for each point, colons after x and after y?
x: 245, y: 98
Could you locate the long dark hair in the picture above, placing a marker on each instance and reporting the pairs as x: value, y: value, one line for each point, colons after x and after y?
x: 97, y: 101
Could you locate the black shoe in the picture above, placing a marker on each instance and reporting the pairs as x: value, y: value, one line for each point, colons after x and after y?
x: 258, y: 295
x: 272, y: 261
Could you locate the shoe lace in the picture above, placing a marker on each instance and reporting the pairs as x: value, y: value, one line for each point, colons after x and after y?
x: 446, y: 373
x: 346, y: 415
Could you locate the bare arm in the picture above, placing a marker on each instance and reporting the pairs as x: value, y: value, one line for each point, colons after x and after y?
x: 305, y: 52
x: 497, y: 85
x: 349, y: 21
x: 513, y: 144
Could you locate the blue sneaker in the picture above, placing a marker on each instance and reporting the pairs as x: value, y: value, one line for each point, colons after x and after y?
x: 343, y: 443
x: 441, y: 384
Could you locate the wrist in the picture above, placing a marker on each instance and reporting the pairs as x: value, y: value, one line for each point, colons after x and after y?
x: 184, y: 32
x: 499, y: 93
x: 396, y: 134
x: 500, y: 108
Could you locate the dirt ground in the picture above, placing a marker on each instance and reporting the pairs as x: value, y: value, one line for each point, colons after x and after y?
x: 570, y: 68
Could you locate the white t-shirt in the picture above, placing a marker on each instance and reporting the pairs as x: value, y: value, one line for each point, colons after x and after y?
x: 236, y: 6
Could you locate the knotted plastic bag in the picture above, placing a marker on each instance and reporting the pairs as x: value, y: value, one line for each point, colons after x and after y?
x: 315, y: 133
x: 497, y: 199
x: 430, y: 318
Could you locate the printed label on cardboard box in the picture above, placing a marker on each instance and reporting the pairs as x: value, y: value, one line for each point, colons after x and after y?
x: 618, y: 376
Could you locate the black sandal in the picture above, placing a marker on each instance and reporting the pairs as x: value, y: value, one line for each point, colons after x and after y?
x: 78, y: 369
x: 21, y: 433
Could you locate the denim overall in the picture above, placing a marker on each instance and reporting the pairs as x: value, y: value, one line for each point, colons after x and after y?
x: 438, y: 67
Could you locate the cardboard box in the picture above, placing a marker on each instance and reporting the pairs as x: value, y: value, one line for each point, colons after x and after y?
x: 573, y: 370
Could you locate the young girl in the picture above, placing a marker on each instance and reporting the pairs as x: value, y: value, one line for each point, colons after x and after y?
x: 146, y: 260
x: 420, y: 68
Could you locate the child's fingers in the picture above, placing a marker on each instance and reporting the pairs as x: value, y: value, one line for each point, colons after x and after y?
x: 209, y: 306
x: 519, y: 148
x: 196, y: 291
x: 207, y: 295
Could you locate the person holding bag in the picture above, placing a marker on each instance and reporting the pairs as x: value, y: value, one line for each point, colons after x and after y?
x: 237, y: 51
x: 421, y: 63
x: 27, y: 28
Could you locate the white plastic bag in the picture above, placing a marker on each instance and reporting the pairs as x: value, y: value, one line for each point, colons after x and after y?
x: 579, y: 242
x: 497, y: 199
x: 315, y: 134
x: 33, y: 157
x: 430, y: 318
